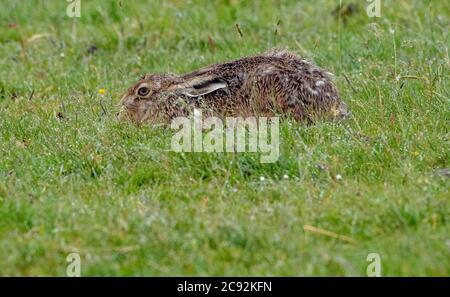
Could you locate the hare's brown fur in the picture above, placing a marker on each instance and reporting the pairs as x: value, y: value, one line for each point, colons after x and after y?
x: 274, y: 83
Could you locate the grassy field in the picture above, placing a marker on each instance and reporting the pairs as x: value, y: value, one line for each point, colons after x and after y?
x: 74, y: 179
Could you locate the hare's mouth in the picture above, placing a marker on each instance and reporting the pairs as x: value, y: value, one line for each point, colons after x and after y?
x: 122, y: 114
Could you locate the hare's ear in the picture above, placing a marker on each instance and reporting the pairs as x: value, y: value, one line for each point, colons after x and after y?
x: 204, y: 85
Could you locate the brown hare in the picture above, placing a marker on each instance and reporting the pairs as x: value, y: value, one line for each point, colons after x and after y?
x: 270, y: 84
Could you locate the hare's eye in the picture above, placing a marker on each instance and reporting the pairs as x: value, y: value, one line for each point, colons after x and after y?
x: 143, y: 91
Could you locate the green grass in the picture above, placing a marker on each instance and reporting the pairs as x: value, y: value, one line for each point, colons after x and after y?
x: 73, y: 178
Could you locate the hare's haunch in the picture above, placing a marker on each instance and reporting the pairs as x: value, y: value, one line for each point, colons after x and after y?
x: 270, y: 84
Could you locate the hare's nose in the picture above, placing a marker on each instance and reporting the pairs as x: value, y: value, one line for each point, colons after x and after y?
x: 120, y: 114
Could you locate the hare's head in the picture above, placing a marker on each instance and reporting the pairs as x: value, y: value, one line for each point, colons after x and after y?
x: 145, y: 98
x: 138, y: 100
